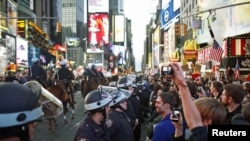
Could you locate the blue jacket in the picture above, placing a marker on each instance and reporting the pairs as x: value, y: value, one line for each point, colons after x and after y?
x: 164, y: 130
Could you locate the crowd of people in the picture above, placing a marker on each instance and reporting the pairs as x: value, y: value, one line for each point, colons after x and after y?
x: 150, y: 102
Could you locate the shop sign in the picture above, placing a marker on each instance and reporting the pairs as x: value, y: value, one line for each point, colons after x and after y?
x: 190, y: 54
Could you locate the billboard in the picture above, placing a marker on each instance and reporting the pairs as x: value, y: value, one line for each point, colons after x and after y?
x: 10, y: 42
x: 119, y: 30
x: 98, y: 6
x: 98, y: 29
x: 21, y: 52
x: 3, y: 58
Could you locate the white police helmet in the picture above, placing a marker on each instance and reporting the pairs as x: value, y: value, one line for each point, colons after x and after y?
x: 124, y: 82
x: 63, y: 62
x: 96, y: 99
x: 118, y: 97
x: 34, y: 59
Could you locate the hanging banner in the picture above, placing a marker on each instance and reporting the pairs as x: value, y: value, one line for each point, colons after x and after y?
x: 203, y: 54
x: 238, y: 47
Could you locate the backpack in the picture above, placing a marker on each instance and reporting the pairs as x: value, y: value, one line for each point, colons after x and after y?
x: 238, y: 119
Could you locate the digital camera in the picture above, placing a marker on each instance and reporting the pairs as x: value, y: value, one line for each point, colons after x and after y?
x: 166, y: 70
x: 175, y: 115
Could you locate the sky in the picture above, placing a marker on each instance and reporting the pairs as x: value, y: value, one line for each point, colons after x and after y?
x: 140, y: 16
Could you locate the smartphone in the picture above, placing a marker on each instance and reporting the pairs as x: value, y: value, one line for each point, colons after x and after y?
x: 175, y: 115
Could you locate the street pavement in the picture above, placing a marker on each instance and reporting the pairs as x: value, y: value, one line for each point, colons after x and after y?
x: 65, y: 132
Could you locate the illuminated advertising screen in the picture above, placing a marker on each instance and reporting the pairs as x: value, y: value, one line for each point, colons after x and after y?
x: 98, y: 29
x: 119, y: 28
x: 12, y: 13
x: 21, y: 52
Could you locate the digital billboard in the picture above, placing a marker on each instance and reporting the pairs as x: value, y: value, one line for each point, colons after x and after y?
x: 21, y: 52
x: 98, y: 29
x: 98, y: 6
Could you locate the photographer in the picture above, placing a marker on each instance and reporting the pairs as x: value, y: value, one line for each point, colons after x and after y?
x: 191, y: 113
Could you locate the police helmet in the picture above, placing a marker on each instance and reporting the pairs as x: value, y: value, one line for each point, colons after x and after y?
x: 96, y: 99
x: 34, y: 59
x: 124, y: 82
x: 19, y: 104
x: 63, y: 62
x: 112, y: 83
x: 118, y: 97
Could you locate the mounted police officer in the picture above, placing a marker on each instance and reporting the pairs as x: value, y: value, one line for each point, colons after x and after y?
x: 36, y: 72
x: 65, y: 75
x: 93, y: 127
x: 92, y: 72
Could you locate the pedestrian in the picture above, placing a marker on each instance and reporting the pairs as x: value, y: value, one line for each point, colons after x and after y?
x: 216, y: 89
x: 19, y: 111
x: 120, y: 127
x: 93, y: 127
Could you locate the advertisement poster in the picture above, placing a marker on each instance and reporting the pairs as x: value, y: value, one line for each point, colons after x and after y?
x: 21, y: 52
x: 11, y: 48
x: 98, y: 29
x: 3, y: 58
x: 98, y: 6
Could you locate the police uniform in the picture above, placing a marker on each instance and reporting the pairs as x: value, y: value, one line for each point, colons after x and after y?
x: 36, y: 72
x: 91, y: 131
x: 120, y: 130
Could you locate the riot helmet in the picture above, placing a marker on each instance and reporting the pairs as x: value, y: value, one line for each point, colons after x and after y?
x: 112, y: 83
x: 124, y: 82
x: 96, y: 99
x: 63, y: 63
x: 117, y: 98
x: 34, y: 60
x: 18, y: 105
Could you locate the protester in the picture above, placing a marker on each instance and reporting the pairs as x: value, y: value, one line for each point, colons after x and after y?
x: 246, y: 112
x: 232, y: 97
x: 216, y: 89
x: 191, y: 112
x: 164, y: 130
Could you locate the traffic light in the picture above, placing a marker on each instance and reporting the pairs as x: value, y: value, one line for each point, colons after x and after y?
x: 58, y: 27
x: 181, y: 29
x: 177, y: 30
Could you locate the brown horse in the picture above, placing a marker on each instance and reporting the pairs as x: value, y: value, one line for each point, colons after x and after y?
x: 87, y: 86
x: 59, y: 91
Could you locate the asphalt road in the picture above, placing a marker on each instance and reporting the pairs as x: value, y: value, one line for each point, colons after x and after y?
x: 64, y: 132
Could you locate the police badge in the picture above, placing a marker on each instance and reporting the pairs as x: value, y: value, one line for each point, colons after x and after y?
x: 109, y: 122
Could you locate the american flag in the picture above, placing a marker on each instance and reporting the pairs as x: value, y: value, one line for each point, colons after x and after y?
x: 237, y: 70
x: 216, y: 52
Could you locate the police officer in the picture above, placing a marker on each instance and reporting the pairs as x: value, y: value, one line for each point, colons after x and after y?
x: 92, y: 72
x: 19, y: 110
x: 120, y: 128
x: 36, y: 72
x: 65, y: 76
x: 93, y: 127
x: 125, y: 83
